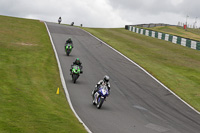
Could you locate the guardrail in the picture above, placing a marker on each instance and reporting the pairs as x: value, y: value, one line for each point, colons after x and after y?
x: 194, y: 44
x: 149, y: 25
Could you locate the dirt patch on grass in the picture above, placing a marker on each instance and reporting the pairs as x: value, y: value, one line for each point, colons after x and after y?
x: 198, y: 95
x: 26, y: 44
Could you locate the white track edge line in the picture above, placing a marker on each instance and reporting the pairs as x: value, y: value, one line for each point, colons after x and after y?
x: 145, y: 72
x: 63, y: 81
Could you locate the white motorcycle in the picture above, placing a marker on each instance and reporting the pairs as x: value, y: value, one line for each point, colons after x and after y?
x: 100, y: 96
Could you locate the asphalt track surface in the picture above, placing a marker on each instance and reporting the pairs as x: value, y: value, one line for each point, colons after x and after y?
x: 137, y: 103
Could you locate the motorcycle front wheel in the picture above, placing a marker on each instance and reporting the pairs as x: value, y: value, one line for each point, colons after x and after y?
x: 100, y: 102
x: 74, y: 78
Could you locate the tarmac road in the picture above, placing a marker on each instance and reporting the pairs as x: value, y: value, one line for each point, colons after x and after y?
x: 137, y: 103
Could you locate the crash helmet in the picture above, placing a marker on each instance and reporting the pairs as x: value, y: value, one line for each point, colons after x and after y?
x: 106, y: 78
x: 77, y: 60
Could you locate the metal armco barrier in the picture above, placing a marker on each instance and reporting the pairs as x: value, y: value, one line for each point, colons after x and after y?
x: 194, y: 44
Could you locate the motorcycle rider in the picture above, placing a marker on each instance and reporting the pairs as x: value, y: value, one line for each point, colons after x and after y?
x: 59, y: 20
x: 104, y: 81
x: 69, y: 41
x: 76, y: 62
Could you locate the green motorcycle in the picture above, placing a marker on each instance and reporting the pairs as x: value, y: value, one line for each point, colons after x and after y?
x: 68, y: 49
x: 76, y: 71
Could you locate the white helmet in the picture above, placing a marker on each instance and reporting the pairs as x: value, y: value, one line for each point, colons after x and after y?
x: 106, y: 78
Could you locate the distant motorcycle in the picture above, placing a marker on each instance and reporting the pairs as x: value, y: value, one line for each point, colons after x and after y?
x: 59, y: 20
x: 100, y: 96
x: 76, y: 71
x: 68, y: 49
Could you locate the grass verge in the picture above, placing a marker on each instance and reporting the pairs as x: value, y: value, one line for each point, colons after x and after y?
x: 29, y: 80
x: 178, y: 31
x: 176, y: 66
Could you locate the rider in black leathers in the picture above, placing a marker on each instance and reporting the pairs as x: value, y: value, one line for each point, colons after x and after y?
x: 59, y: 20
x: 76, y: 62
x: 69, y: 41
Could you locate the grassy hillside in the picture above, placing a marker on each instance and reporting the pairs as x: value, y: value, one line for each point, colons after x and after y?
x: 179, y: 31
x: 29, y: 80
x: 176, y: 66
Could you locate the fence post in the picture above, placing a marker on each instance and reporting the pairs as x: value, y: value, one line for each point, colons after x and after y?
x: 150, y: 32
x: 188, y: 43
x: 198, y: 46
x: 178, y: 40
x: 156, y: 34
x: 170, y: 38
x: 144, y: 32
x: 193, y: 44
x: 163, y: 36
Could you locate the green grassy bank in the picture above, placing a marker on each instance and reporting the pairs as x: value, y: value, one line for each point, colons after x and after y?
x: 176, y: 66
x: 178, y: 31
x: 29, y: 80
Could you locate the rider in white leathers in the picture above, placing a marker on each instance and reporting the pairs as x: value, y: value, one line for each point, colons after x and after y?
x: 104, y: 81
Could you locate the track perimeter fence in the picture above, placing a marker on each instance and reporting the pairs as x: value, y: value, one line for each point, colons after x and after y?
x: 194, y: 44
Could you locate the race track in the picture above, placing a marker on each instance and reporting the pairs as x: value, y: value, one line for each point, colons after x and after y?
x: 137, y: 103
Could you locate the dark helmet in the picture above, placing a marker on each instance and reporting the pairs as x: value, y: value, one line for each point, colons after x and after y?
x: 106, y: 78
x: 70, y: 38
x: 77, y: 60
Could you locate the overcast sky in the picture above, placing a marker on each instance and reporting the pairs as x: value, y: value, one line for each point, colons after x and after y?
x: 105, y: 13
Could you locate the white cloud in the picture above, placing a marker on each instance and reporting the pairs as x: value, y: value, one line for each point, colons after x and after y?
x: 104, y: 13
x: 176, y: 2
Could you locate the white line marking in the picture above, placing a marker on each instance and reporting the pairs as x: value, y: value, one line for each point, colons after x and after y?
x: 63, y: 81
x: 145, y: 72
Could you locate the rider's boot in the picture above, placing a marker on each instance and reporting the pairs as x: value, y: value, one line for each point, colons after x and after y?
x: 70, y: 71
